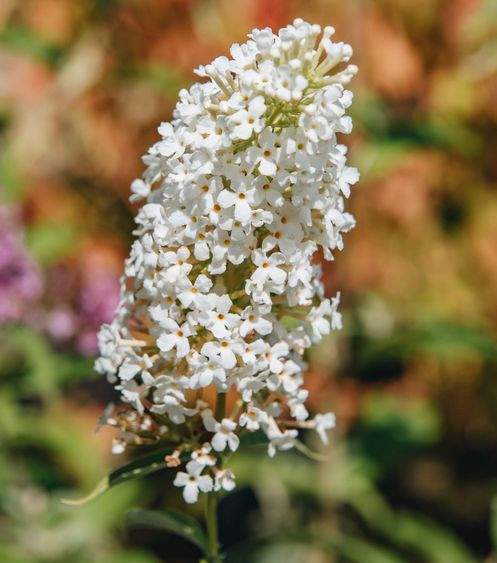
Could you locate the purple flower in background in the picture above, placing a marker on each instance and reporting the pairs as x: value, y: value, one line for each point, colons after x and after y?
x: 20, y: 277
x: 85, y: 302
x: 87, y: 294
x: 97, y: 302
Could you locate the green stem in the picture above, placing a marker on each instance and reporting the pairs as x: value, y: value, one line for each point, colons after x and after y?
x: 211, y: 500
x: 221, y: 406
x: 211, y: 524
x: 274, y: 116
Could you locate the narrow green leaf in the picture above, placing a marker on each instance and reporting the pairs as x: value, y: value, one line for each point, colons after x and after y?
x: 351, y: 549
x: 357, y: 550
x: 411, y: 531
x: 431, y: 540
x: 169, y: 521
x: 139, y: 467
x: 101, y: 487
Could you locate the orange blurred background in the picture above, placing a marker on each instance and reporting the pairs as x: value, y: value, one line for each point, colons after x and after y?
x: 84, y: 85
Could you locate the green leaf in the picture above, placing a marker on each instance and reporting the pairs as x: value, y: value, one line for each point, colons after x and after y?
x: 11, y: 179
x: 358, y: 550
x: 49, y: 241
x: 101, y: 487
x: 24, y: 351
x: 169, y: 521
x: 445, y: 340
x: 39, y: 360
x: 139, y: 467
x: 351, y: 549
x: 133, y: 470
x: 410, y: 531
x: 24, y: 40
x: 434, y: 542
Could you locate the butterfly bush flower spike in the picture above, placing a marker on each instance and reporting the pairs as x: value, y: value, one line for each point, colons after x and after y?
x: 246, y: 183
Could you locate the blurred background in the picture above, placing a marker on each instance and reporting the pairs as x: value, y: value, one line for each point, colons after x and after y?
x: 411, y: 471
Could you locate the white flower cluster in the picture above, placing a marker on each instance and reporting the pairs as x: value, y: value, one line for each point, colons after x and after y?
x: 220, y: 290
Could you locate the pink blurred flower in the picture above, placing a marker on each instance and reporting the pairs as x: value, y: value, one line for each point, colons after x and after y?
x: 20, y: 277
x: 98, y: 300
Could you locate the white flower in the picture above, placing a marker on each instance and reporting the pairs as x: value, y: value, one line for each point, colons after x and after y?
x: 175, y: 265
x: 203, y: 456
x: 140, y: 190
x: 325, y: 317
x: 285, y: 377
x: 224, y: 435
x: 273, y: 356
x: 322, y: 423
x: 241, y: 189
x: 348, y: 176
x: 118, y: 446
x: 319, y: 323
x: 224, y: 479
x: 246, y: 121
x: 268, y: 267
x: 270, y: 190
x: 192, y: 481
x: 253, y: 418
x: 133, y: 393
x: 219, y: 321
x: 225, y: 248
x: 249, y: 385
x: 252, y: 351
x: 168, y: 402
x: 175, y: 336
x: 253, y: 320
x: 220, y: 353
x: 193, y: 294
x: 243, y: 197
x: 206, y: 372
x: 110, y: 350
x: 297, y: 406
x: 278, y: 439
x: 133, y: 366
x: 336, y: 317
x: 269, y: 152
x: 290, y: 85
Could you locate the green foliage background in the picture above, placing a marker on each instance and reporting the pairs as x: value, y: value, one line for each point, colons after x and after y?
x: 410, y: 474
